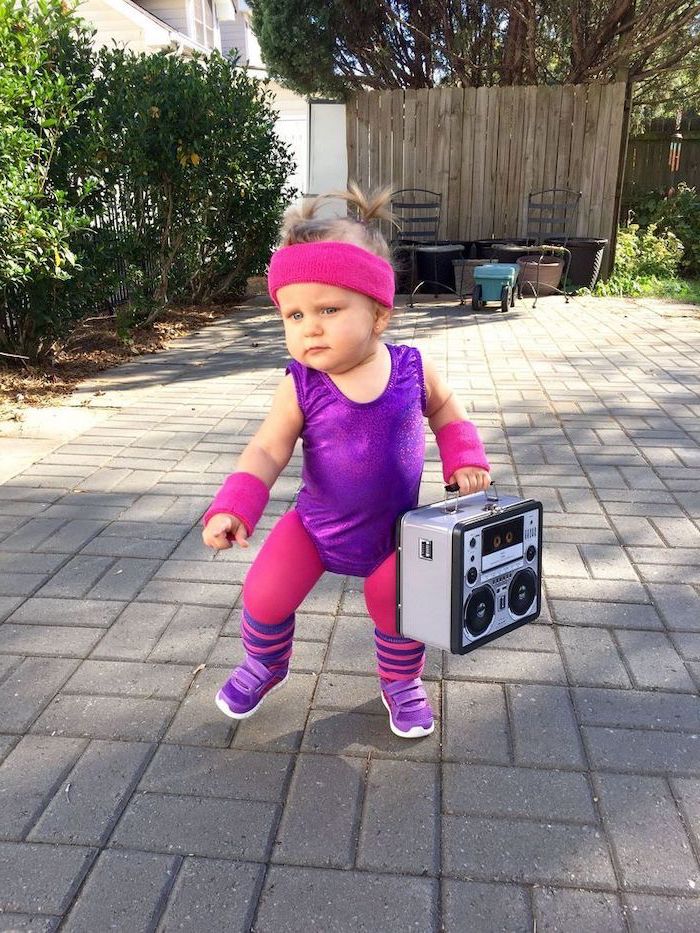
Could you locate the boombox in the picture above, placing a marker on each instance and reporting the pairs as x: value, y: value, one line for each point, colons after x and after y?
x: 469, y: 569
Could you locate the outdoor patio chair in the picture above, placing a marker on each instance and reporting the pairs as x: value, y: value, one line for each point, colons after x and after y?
x: 416, y: 213
x: 552, y: 211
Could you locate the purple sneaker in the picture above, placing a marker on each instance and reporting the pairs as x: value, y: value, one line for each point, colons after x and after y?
x: 410, y: 715
x: 247, y: 687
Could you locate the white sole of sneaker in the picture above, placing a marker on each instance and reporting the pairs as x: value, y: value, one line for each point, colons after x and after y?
x: 415, y: 732
x: 221, y: 703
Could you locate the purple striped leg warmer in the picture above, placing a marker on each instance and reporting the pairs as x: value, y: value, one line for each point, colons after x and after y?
x: 398, y: 658
x: 269, y: 644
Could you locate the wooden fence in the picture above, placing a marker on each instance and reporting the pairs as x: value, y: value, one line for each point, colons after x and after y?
x: 648, y: 169
x: 485, y: 149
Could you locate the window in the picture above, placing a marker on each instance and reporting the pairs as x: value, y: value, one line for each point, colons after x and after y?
x: 203, y: 17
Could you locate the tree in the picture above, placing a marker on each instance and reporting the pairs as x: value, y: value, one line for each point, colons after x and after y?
x: 330, y: 48
x: 674, y: 95
x: 326, y: 48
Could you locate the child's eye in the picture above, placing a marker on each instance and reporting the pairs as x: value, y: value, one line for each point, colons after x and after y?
x: 329, y: 310
x: 296, y: 316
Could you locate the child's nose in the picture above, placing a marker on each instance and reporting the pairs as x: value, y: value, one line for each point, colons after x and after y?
x: 313, y: 325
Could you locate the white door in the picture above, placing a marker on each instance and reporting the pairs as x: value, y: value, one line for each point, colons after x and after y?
x: 295, y: 132
x: 328, y: 168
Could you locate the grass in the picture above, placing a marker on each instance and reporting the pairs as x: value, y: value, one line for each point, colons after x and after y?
x: 686, y: 291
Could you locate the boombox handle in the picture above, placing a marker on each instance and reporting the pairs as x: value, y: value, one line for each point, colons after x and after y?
x: 452, y: 498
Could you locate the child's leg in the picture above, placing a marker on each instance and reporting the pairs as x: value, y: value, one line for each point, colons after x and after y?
x: 284, y: 572
x: 398, y: 658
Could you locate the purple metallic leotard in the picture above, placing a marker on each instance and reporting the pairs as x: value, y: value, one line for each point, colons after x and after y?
x: 362, y: 462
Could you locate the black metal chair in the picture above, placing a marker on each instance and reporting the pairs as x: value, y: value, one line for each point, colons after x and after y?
x: 552, y: 211
x: 416, y: 214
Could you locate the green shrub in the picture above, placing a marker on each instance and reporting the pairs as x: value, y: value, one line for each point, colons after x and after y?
x: 153, y: 172
x: 678, y: 212
x: 45, y: 89
x: 639, y: 256
x: 190, y: 147
x: 644, y: 206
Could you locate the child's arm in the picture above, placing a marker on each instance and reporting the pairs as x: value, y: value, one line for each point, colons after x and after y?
x: 269, y: 452
x: 461, y: 451
x: 241, y: 500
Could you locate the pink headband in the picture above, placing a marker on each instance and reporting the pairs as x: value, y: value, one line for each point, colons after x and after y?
x: 332, y: 263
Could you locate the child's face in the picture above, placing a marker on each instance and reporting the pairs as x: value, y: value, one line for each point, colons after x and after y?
x: 329, y: 328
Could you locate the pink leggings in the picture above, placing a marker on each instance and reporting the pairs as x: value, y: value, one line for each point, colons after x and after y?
x: 282, y: 575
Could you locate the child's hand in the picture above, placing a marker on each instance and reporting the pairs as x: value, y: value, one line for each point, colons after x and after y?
x: 471, y: 479
x: 222, y: 529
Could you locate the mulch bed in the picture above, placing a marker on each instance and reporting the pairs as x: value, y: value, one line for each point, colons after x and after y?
x: 93, y: 346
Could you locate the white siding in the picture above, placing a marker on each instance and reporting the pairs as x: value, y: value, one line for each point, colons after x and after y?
x: 253, y: 47
x: 112, y: 27
x: 289, y: 104
x: 233, y: 36
x: 205, y: 24
x: 172, y: 12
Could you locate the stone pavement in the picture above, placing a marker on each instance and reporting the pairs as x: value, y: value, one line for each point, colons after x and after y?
x: 561, y: 788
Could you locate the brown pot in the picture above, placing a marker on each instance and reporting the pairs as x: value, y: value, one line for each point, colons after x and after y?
x: 544, y: 275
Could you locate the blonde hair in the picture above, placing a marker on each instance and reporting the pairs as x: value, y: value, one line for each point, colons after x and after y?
x: 301, y: 225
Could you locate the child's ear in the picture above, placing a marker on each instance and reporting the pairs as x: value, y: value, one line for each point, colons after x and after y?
x: 382, y: 316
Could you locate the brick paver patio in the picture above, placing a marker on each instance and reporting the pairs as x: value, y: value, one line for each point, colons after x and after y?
x: 561, y: 789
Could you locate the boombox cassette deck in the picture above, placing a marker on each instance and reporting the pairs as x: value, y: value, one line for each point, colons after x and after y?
x: 469, y: 569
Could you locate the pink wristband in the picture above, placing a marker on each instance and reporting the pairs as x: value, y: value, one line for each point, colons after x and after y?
x: 460, y: 446
x: 242, y: 495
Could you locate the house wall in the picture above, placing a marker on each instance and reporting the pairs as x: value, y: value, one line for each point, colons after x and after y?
x: 145, y: 31
x: 111, y: 27
x: 238, y: 35
x: 315, y: 132
x: 233, y: 36
x: 172, y: 12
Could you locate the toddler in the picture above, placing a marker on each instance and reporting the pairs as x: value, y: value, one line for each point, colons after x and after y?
x: 358, y: 405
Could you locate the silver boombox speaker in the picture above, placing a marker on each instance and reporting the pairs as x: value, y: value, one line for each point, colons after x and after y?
x: 469, y: 569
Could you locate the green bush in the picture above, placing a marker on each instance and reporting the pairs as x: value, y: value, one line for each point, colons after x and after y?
x: 190, y: 147
x: 678, y: 212
x: 153, y: 172
x: 45, y: 88
x: 639, y: 256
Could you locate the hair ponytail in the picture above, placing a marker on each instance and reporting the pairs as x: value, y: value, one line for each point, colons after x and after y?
x: 301, y: 225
